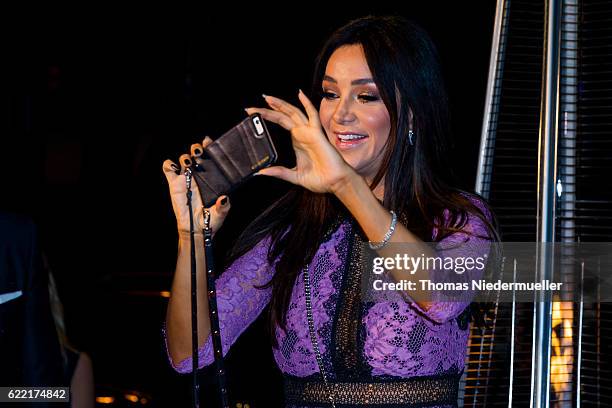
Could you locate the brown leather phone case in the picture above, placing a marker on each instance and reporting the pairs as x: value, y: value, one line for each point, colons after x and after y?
x: 233, y: 158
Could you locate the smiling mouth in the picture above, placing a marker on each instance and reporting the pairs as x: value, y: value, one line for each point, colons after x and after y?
x: 350, y: 137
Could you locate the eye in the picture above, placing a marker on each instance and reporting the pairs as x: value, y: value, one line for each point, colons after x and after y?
x: 329, y: 95
x: 365, y: 98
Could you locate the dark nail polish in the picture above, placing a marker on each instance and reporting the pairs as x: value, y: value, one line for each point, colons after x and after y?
x: 224, y: 201
x: 197, y: 151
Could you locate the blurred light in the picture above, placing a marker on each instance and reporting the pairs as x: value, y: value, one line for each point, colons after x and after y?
x: 144, y: 401
x: 562, y: 359
x: 165, y: 294
x: 105, y: 400
x: 131, y: 397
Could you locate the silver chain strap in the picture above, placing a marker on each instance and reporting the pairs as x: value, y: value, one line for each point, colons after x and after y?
x: 313, y: 337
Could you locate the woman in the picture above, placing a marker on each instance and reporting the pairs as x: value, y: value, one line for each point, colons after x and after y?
x: 370, y: 166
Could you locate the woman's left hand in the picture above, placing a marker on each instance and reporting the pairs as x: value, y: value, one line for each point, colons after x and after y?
x: 319, y: 166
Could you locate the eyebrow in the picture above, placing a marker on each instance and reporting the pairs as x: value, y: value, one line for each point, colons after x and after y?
x: 360, y: 81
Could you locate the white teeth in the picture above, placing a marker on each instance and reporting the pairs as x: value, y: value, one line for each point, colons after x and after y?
x: 351, y: 137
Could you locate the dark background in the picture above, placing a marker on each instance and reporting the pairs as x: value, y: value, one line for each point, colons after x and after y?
x: 93, y: 101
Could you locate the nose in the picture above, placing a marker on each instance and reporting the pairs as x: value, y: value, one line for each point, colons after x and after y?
x: 343, y: 113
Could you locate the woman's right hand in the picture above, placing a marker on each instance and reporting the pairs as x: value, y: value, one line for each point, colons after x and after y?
x: 178, y: 194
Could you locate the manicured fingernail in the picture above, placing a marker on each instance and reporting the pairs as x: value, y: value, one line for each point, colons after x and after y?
x: 197, y: 151
x: 264, y: 95
x: 300, y: 91
x: 207, y: 139
x: 224, y: 201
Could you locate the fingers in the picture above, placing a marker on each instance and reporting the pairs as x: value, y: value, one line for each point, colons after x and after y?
x: 273, y: 116
x: 280, y: 172
x: 196, y: 151
x: 207, y: 140
x: 170, y: 170
x: 218, y: 212
x: 288, y: 109
x: 287, y: 115
x: 311, y: 111
x: 222, y: 206
x: 185, y: 161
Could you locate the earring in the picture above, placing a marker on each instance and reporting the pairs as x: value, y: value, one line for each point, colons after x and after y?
x: 410, y: 134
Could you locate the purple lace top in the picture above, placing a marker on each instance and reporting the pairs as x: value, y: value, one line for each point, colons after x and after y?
x: 396, y: 338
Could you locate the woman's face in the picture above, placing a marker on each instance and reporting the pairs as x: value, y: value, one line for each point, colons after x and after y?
x: 352, y: 113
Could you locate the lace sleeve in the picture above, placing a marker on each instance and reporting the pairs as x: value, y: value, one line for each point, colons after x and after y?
x: 239, y: 302
x: 472, y: 242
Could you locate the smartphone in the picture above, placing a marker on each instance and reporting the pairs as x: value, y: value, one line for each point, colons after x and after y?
x: 233, y: 158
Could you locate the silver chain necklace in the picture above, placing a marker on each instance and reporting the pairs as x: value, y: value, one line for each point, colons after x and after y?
x: 313, y: 337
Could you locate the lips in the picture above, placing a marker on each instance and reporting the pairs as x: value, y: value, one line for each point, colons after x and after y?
x: 345, y: 140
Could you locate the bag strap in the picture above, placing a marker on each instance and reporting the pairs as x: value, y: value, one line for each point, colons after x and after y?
x: 212, y: 303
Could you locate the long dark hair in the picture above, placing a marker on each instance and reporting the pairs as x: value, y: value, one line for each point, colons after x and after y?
x: 418, y: 183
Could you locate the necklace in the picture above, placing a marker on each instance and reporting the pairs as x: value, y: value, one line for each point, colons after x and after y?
x: 313, y: 337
